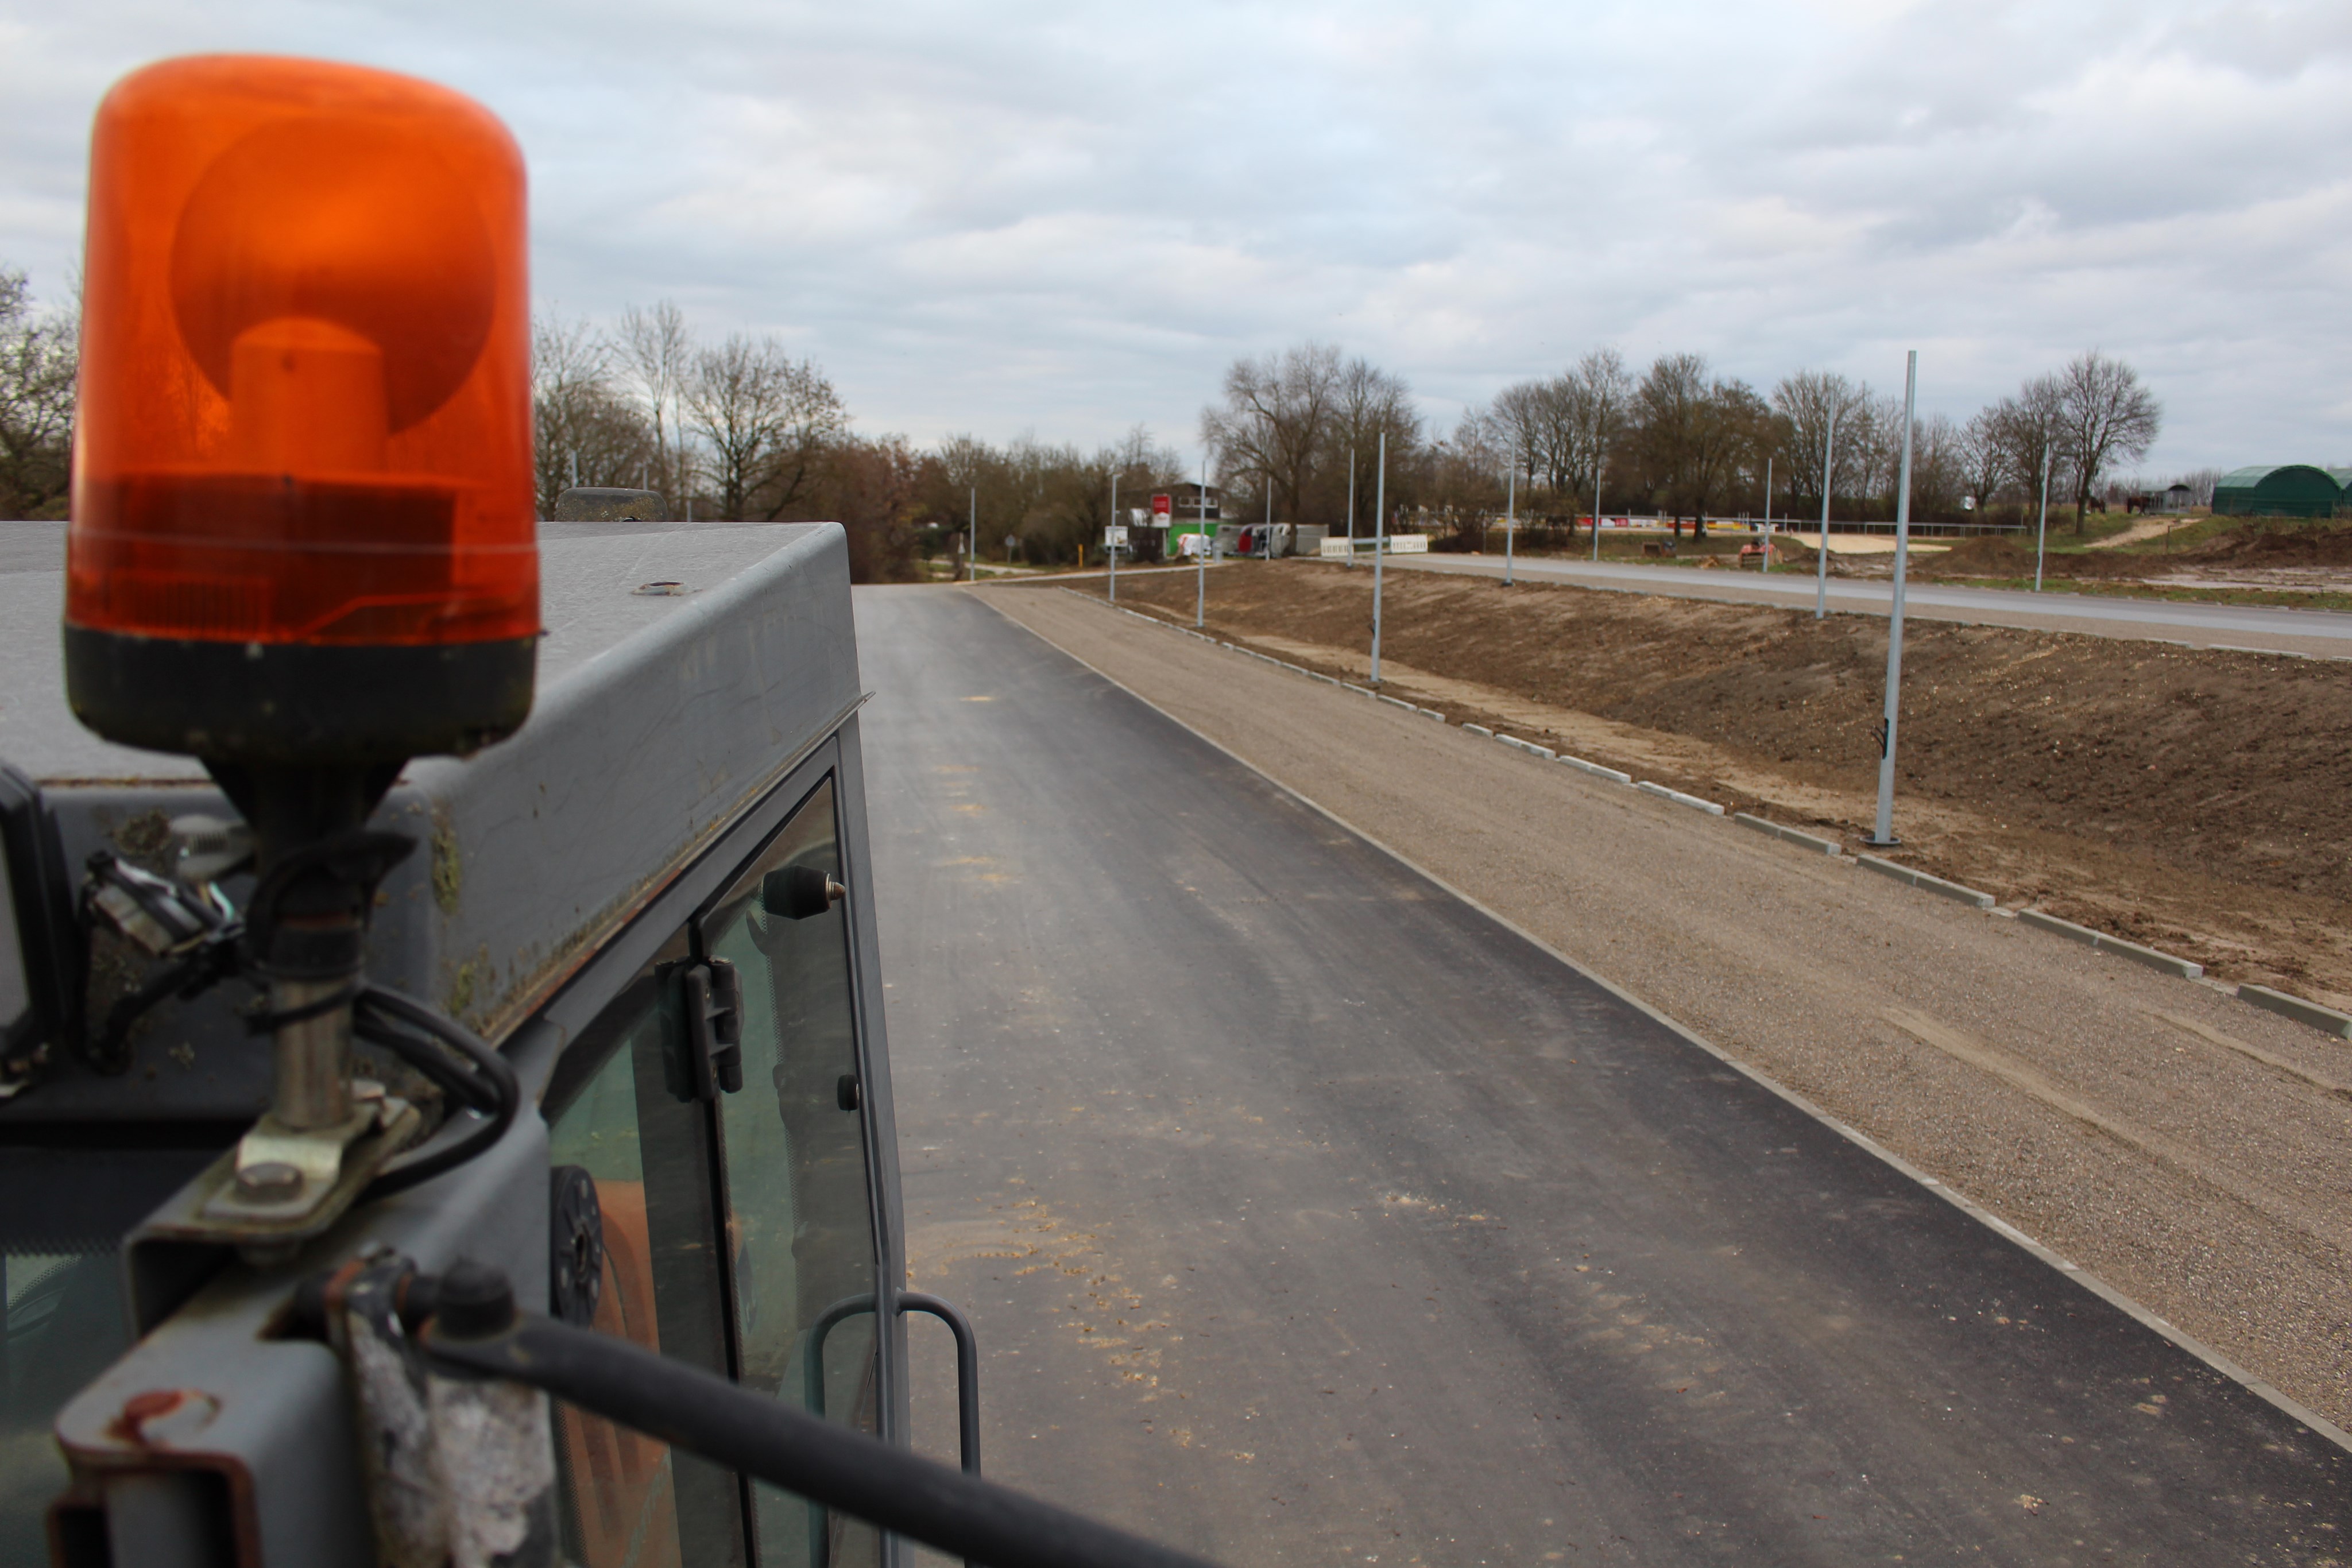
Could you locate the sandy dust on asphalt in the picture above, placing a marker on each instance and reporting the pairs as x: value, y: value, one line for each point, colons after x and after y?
x: 2186, y: 799
x: 2179, y: 1143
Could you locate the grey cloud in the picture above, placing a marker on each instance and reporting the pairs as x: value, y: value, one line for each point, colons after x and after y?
x: 1070, y: 216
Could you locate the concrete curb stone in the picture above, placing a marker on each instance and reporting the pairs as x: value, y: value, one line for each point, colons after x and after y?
x: 1594, y: 768
x: 2182, y: 967
x: 1808, y: 840
x: 1650, y: 787
x: 2328, y: 1020
x: 1926, y: 884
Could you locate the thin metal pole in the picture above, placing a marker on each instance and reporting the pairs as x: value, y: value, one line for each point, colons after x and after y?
x: 1111, y: 540
x: 2041, y: 533
x: 1510, y: 521
x: 1379, y: 548
x: 1766, y: 564
x: 1201, y: 577
x: 1885, y: 837
x: 1265, y: 545
x: 971, y: 540
x: 1822, y: 556
x: 1596, y: 510
x: 1351, y: 508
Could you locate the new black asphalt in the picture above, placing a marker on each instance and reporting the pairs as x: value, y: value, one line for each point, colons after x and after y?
x: 1309, y: 1213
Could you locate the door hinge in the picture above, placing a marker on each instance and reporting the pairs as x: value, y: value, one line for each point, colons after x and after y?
x: 714, y: 1029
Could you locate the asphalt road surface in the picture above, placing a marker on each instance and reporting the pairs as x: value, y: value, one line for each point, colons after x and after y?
x: 1307, y: 1213
x: 2327, y: 634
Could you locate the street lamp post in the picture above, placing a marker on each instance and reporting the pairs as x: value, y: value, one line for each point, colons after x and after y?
x: 2042, y: 532
x: 1596, y: 510
x: 1201, y: 553
x: 1510, y: 520
x: 1379, y: 548
x: 1885, y: 838
x: 1822, y: 556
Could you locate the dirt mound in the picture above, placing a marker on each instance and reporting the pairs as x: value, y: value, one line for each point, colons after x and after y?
x: 2264, y: 545
x: 2003, y: 556
x: 1986, y: 555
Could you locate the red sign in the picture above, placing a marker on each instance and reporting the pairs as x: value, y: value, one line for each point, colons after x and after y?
x: 1161, y: 506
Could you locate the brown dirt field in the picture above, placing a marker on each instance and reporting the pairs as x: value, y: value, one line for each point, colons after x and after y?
x: 2190, y: 799
x: 2253, y: 548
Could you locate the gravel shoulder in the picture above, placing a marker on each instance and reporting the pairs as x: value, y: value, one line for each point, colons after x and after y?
x: 2126, y: 1119
x: 2184, y: 799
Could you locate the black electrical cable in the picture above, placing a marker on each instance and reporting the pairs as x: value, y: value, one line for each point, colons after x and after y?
x: 772, y: 1440
x: 377, y: 1016
x: 423, y: 1053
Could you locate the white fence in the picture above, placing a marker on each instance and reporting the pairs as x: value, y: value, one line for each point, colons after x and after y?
x: 1364, y: 544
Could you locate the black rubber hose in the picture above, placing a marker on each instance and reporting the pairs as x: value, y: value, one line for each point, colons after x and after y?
x: 462, y: 1084
x: 373, y: 1017
x: 764, y: 1437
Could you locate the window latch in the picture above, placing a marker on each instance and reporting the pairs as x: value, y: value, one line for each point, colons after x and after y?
x: 714, y: 1028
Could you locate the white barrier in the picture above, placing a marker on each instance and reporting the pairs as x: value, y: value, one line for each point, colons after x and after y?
x: 1363, y: 543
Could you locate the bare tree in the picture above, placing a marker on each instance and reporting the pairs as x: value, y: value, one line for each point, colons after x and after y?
x: 656, y: 350
x: 1528, y: 415
x: 1983, y: 456
x: 2106, y: 416
x: 1276, y: 419
x: 768, y: 420
x: 2031, y: 429
x: 1368, y: 404
x: 1693, y: 433
x: 584, y: 431
x: 1807, y: 402
x: 39, y: 356
x: 1592, y: 403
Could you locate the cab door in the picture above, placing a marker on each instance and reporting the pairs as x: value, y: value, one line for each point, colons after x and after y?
x: 738, y: 1209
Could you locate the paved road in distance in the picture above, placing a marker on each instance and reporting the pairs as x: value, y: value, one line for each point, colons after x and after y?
x: 1306, y: 1213
x: 2322, y: 633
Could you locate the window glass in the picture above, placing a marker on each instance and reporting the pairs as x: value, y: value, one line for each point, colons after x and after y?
x: 800, y: 1214
x: 628, y: 1502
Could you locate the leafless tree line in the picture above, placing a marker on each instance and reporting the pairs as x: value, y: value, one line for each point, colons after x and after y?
x: 1051, y: 501
x: 1679, y: 439
x: 1676, y: 439
x: 740, y: 427
x: 39, y: 352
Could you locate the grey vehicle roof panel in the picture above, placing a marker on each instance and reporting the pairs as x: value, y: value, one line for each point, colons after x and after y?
x: 589, y: 574
x: 660, y: 720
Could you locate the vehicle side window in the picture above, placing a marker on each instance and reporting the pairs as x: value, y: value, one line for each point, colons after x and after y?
x: 628, y: 1500
x: 738, y: 1233
x: 801, y: 1238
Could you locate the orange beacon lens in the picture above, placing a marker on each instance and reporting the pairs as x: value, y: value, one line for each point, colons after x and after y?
x: 303, y: 514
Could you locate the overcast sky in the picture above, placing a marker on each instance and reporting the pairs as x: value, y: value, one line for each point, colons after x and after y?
x: 1067, y: 218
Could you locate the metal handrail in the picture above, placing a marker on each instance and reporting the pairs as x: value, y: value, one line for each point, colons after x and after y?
x: 967, y: 1387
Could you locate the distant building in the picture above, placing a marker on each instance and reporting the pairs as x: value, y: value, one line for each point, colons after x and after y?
x: 2180, y: 498
x: 2287, y: 490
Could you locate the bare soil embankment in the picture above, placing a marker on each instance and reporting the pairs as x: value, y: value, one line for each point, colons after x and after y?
x: 2190, y: 799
